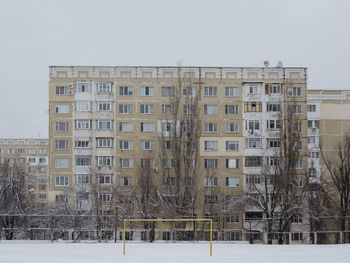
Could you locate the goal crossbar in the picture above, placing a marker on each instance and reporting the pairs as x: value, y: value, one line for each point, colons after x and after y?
x: 172, y: 220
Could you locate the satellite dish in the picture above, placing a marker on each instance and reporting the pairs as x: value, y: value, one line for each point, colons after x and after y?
x: 266, y: 63
x: 279, y: 64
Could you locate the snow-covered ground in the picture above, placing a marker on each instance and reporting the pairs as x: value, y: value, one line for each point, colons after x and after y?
x: 18, y: 252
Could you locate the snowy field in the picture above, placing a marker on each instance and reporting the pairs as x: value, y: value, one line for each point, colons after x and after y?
x: 16, y: 252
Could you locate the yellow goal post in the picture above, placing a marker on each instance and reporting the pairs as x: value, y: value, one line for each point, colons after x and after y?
x: 172, y: 220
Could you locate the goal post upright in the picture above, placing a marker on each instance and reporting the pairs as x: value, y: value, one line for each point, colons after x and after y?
x: 171, y: 220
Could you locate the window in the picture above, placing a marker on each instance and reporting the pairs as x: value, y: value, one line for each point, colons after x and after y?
x: 232, y: 236
x: 104, y: 142
x: 232, y: 182
x: 61, y: 163
x: 274, y: 88
x: 82, y: 160
x: 126, y: 163
x: 167, y: 91
x: 125, y: 91
x: 83, y: 124
x: 297, y: 146
x: 104, y: 105
x: 83, y: 87
x: 210, y: 91
x: 312, y: 172
x: 252, y: 106
x: 105, y: 178
x: 253, y: 125
x: 125, y: 181
x: 62, y: 108
x: 188, y: 109
x: 42, y: 151
x: 61, y: 90
x: 231, y: 92
x: 168, y: 181
x: 169, y: 163
x: 61, y: 145
x: 81, y: 143
x: 253, y: 216
x: 83, y: 178
x: 147, y: 145
x: 61, y: 198
x: 210, y: 109
x: 314, y: 154
x: 274, y: 107
x: 42, y: 169
x: 232, y: 146
x: 232, y: 163
x: 83, y: 106
x: 30, y: 160
x: 253, y: 89
x: 126, y: 145
x: 20, y: 151
x: 147, y: 91
x: 61, y: 180
x: 30, y: 151
x: 62, y: 126
x: 210, y: 163
x: 104, y: 124
x: 106, y: 197
x: 296, y: 109
x: 313, y: 124
x: 125, y: 108
x: 42, y: 160
x: 232, y: 127
x: 189, y: 91
x: 147, y: 108
x: 294, y: 92
x: 42, y: 196
x: 167, y: 109
x: 147, y: 127
x: 210, y: 181
x: 210, y: 199
x: 166, y: 235
x: 311, y: 108
x: 231, y: 109
x: 211, y: 127
x: 126, y: 127
x: 273, y: 124
x: 32, y: 169
x: 104, y: 160
x: 167, y: 145
x: 298, y: 164
x: 274, y: 142
x: 273, y: 161
x: 299, y: 182
x: 147, y: 163
x: 297, y: 236
x: 232, y: 218
x: 211, y: 145
x: 252, y: 179
x: 253, y: 161
x: 104, y: 87
x: 254, y: 142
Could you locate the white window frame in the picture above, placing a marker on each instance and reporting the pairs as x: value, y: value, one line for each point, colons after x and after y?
x: 231, y: 92
x: 146, y: 108
x: 126, y: 127
x: 62, y: 163
x: 61, y: 181
x: 62, y: 108
x: 147, y: 91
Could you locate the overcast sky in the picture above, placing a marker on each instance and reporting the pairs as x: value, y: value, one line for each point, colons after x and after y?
x: 36, y: 34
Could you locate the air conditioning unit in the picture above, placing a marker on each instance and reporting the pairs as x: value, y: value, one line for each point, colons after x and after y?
x: 155, y: 169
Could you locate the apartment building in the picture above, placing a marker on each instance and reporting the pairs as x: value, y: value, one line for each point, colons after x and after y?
x: 31, y: 155
x: 108, y: 120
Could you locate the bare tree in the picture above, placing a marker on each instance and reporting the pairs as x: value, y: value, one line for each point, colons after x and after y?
x: 337, y: 166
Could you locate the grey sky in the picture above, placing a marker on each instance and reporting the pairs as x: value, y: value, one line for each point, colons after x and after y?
x: 36, y: 34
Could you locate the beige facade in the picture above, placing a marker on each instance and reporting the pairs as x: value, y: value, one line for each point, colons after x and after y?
x: 32, y: 156
x: 96, y: 110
